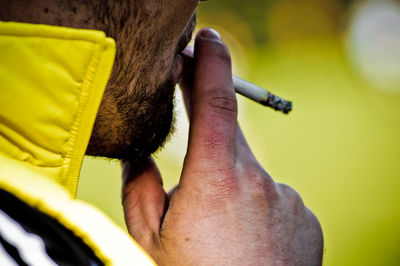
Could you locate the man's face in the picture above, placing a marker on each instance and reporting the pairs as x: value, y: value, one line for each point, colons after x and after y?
x: 136, y: 114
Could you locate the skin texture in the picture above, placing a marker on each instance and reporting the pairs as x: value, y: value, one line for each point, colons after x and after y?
x: 226, y: 209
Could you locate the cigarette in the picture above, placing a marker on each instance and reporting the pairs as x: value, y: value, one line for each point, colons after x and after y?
x: 260, y: 95
x: 253, y: 92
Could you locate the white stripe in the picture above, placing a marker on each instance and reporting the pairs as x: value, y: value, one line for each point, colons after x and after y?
x: 31, y: 247
x: 5, y: 259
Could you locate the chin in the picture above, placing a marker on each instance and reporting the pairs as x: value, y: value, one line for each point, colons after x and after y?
x: 141, y: 124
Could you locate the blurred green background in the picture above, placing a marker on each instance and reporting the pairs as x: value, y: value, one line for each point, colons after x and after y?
x: 339, y: 62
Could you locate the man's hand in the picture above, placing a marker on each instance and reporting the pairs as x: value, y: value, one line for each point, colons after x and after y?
x: 226, y: 209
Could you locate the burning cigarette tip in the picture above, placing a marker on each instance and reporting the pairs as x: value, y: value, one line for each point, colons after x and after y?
x: 278, y: 103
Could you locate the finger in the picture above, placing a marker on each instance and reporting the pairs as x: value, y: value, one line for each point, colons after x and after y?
x: 144, y: 201
x: 243, y: 151
x: 186, y: 85
x: 187, y: 78
x: 214, y: 109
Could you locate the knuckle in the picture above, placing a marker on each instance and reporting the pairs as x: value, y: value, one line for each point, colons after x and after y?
x: 312, y: 218
x: 222, y: 101
x: 261, y: 187
x: 292, y: 198
x: 315, y: 224
x: 265, y: 191
x: 287, y: 191
x: 260, y: 177
x: 315, y: 228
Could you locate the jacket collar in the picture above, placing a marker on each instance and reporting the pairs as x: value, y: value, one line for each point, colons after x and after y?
x: 52, y: 80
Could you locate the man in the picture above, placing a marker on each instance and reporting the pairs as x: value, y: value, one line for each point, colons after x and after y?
x: 226, y: 208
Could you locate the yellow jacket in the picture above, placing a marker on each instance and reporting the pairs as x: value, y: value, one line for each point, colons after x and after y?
x: 52, y: 80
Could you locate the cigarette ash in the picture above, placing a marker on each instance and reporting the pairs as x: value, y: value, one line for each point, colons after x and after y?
x: 278, y: 103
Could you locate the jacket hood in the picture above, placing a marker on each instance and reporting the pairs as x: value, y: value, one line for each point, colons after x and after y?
x: 52, y: 80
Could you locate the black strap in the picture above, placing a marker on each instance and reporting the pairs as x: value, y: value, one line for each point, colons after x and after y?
x: 61, y: 245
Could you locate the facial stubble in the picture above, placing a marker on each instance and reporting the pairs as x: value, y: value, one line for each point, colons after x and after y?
x: 143, y: 117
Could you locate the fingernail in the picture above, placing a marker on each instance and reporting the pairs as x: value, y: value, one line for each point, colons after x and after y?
x: 189, y: 51
x: 210, y: 33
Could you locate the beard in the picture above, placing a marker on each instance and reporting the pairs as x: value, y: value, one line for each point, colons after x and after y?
x: 134, y: 123
x: 148, y: 126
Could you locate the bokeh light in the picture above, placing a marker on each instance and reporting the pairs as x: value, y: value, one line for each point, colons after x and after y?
x: 374, y: 43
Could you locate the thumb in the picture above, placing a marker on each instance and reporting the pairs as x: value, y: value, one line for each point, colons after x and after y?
x: 144, y: 201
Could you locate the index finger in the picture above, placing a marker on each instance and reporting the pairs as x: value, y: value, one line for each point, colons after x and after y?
x: 214, y: 107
